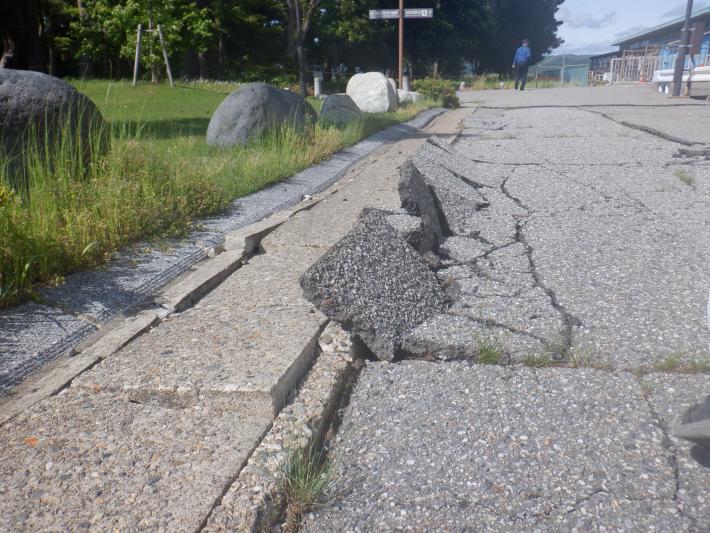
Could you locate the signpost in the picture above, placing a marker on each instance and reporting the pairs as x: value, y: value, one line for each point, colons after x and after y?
x: 401, y: 14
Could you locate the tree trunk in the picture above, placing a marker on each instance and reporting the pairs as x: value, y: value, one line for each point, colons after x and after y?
x: 202, y: 65
x: 85, y: 67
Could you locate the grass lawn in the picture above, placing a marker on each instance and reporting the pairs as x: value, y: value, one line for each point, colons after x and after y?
x: 156, y: 177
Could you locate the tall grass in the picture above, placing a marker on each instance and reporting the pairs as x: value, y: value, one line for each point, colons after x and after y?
x: 68, y: 212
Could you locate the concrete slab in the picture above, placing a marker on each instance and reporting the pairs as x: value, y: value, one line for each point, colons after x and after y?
x: 210, y: 351
x: 82, y: 461
x: 454, y: 446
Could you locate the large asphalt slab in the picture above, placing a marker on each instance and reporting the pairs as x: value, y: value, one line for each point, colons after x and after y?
x: 586, y: 241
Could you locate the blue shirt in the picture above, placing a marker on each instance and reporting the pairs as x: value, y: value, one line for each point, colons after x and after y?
x: 522, y: 55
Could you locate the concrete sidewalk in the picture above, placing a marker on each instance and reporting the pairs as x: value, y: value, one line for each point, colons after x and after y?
x: 584, y: 265
x: 154, y: 436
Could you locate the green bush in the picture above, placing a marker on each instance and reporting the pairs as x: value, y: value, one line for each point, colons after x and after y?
x: 438, y: 89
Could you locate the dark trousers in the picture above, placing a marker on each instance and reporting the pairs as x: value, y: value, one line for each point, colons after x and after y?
x: 521, y: 75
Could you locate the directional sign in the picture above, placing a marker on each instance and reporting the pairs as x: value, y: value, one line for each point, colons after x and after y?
x: 379, y: 14
x: 425, y: 13
x: 412, y: 13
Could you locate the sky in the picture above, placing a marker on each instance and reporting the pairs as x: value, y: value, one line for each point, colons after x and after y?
x: 590, y: 26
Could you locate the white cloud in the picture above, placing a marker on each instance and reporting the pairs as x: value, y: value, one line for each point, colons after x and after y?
x: 679, y: 10
x: 586, y: 20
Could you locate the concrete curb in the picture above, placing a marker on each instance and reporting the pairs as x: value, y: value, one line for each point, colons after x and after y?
x: 255, y: 502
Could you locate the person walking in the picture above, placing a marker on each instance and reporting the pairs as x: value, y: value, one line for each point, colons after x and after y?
x: 520, y: 64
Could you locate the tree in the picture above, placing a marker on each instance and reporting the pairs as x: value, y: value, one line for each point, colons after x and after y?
x: 299, y: 20
x: 107, y: 28
x: 517, y: 20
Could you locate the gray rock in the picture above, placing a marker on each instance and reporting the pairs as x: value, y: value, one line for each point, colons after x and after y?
x: 372, y: 93
x: 339, y: 109
x: 35, y: 101
x: 696, y: 423
x: 408, y: 97
x: 417, y: 199
x: 375, y: 284
x: 254, y: 108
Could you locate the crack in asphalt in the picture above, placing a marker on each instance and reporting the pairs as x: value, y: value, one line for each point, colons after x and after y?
x: 639, y: 127
x: 569, y: 320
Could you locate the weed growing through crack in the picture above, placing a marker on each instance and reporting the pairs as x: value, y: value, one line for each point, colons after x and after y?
x: 583, y: 358
x: 669, y: 364
x: 698, y: 367
x: 686, y: 178
x: 488, y: 353
x: 305, y: 479
x: 646, y: 389
x: 540, y: 360
x: 674, y: 363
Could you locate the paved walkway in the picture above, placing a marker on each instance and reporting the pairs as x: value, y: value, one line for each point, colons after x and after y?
x: 150, y: 439
x: 583, y: 260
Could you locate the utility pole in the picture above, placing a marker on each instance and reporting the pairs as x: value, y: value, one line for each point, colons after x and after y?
x: 400, y: 55
x: 682, y: 51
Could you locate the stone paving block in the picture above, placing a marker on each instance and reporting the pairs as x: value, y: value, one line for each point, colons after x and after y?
x: 82, y: 461
x: 450, y: 446
x: 374, y: 284
x: 670, y: 396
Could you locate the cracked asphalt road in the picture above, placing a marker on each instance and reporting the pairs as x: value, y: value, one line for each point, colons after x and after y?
x: 575, y: 234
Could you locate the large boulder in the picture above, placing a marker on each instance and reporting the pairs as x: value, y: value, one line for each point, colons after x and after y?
x: 339, y: 109
x: 374, y: 284
x: 372, y: 93
x: 41, y: 107
x: 254, y: 108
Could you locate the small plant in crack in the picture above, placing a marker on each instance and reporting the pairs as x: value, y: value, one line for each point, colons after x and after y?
x: 670, y: 364
x: 304, y: 481
x: 685, y: 177
x: 488, y: 353
x: 583, y: 358
x: 540, y: 360
x: 646, y: 389
x: 556, y: 346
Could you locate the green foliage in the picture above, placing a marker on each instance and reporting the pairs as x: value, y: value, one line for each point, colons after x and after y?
x: 304, y: 481
x: 488, y: 353
x: 539, y: 360
x: 438, y: 89
x: 110, y: 25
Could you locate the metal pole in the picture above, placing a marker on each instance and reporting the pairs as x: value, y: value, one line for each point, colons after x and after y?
x: 138, y: 54
x: 682, y: 51
x: 562, y: 77
x: 165, y: 56
x: 401, y: 42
